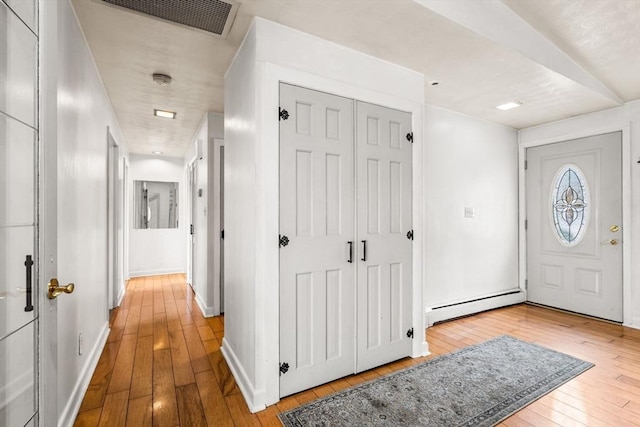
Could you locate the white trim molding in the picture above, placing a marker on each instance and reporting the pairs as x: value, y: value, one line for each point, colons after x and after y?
x: 70, y: 412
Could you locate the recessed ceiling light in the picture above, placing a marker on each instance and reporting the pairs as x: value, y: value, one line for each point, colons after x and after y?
x: 156, y: 152
x: 509, y: 106
x: 164, y: 113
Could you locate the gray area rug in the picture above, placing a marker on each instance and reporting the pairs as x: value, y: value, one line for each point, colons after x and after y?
x: 478, y: 385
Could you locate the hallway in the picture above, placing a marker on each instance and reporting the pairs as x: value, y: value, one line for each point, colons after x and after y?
x: 162, y: 365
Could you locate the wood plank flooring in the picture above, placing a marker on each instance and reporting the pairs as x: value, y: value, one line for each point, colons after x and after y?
x: 162, y: 365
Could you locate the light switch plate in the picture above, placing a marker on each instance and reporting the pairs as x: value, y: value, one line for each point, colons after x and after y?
x: 469, y: 212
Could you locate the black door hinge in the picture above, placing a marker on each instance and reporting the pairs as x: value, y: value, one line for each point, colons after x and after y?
x: 410, y: 333
x: 410, y: 234
x: 410, y: 137
x: 222, y: 234
x: 284, y: 240
x: 526, y: 165
x: 191, y: 229
x: 284, y: 368
x: 283, y: 114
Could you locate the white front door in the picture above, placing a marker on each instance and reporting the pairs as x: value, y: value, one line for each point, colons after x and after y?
x: 384, y: 234
x: 18, y: 214
x: 574, y: 225
x: 317, y: 291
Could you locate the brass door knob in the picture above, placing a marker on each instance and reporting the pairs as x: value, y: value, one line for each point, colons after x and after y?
x: 55, y: 290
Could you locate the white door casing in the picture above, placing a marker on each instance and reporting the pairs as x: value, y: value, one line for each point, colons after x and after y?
x: 383, y: 156
x: 585, y: 274
x: 317, y: 292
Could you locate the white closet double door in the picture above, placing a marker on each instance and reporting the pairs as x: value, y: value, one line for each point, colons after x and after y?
x: 345, y: 247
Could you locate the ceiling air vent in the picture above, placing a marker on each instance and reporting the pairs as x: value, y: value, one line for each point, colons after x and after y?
x: 214, y: 16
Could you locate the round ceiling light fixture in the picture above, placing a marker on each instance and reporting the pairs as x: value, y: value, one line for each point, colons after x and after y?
x: 161, y: 79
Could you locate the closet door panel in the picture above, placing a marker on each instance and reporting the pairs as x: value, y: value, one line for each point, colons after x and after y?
x: 383, y: 165
x: 317, y: 283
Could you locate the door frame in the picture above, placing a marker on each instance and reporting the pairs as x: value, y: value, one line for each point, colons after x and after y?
x: 115, y: 228
x: 47, y: 262
x: 265, y: 390
x: 625, y: 128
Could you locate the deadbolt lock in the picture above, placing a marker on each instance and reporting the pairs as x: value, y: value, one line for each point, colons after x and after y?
x: 614, y: 228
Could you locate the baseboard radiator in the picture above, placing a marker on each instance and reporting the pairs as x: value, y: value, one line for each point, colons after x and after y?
x: 457, y: 309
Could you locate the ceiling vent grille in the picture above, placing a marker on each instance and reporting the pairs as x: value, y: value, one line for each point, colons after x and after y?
x: 214, y: 16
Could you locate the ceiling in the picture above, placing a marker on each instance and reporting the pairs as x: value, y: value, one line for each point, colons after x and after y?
x: 559, y: 58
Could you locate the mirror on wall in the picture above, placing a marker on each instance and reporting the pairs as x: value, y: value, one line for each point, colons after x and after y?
x: 155, y: 204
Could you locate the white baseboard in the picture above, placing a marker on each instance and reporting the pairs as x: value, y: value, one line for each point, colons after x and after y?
x: 255, y: 401
x: 121, y: 292
x: 70, y: 412
x: 465, y: 308
x: 158, y: 272
x: 204, y: 308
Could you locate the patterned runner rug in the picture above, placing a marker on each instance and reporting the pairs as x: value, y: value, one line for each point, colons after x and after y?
x: 478, y: 385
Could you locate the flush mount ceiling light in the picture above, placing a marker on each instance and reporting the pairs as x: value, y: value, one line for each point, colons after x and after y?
x: 156, y: 152
x: 509, y: 106
x: 161, y: 79
x: 165, y: 114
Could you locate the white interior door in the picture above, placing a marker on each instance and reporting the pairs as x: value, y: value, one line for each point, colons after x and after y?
x: 574, y: 235
x: 18, y: 226
x: 191, y: 271
x: 221, y: 237
x: 317, y: 305
x: 383, y: 153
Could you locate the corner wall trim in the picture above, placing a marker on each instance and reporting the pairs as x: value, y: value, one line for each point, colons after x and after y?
x: 205, y: 309
x: 68, y: 416
x: 248, y: 392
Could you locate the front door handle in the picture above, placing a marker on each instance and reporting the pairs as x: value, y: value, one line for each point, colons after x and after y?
x: 350, y: 251
x: 54, y: 289
x: 364, y: 250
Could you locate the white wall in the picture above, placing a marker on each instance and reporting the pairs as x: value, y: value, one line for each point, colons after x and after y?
x: 157, y: 251
x: 83, y: 112
x: 272, y: 53
x: 627, y: 119
x: 469, y: 163
x: 206, y: 257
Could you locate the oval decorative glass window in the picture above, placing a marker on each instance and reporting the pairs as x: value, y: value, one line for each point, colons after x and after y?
x: 570, y: 201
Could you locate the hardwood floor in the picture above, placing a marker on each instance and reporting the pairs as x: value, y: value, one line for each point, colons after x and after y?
x: 162, y: 365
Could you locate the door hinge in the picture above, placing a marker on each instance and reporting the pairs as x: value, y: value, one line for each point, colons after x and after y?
x: 410, y: 234
x: 191, y: 229
x: 526, y: 165
x: 284, y: 240
x: 222, y: 234
x: 283, y: 114
x: 410, y: 333
x: 526, y: 224
x: 526, y: 284
x: 284, y: 368
x: 410, y: 137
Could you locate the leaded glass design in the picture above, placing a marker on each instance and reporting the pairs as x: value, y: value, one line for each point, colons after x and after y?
x: 570, y: 201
